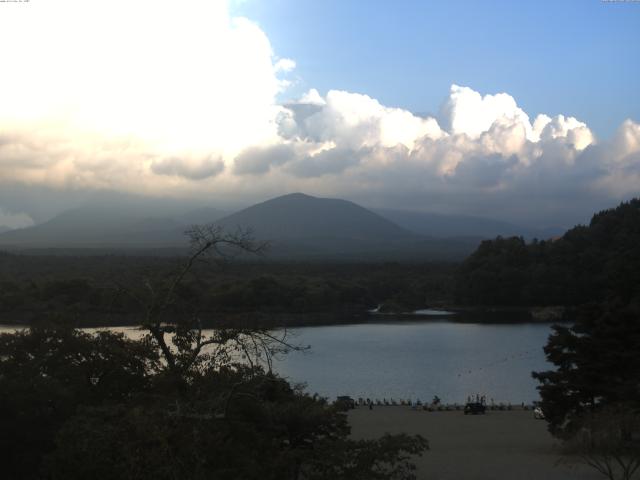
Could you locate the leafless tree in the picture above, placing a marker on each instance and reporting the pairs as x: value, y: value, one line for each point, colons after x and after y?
x: 180, y: 338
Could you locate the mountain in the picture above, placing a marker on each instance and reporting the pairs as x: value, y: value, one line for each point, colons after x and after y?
x: 300, y: 216
x: 96, y: 227
x: 443, y: 226
x: 4, y: 228
x: 110, y: 225
x: 299, y: 225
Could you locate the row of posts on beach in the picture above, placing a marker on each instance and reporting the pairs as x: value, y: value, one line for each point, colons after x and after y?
x: 435, y: 405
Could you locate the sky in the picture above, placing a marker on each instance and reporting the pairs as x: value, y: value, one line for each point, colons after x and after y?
x: 520, y: 111
x: 578, y: 57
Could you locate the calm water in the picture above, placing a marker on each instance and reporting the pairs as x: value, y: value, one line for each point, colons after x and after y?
x: 420, y: 360
x: 416, y: 360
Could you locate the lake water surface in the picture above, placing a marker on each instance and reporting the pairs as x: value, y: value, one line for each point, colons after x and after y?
x: 416, y: 360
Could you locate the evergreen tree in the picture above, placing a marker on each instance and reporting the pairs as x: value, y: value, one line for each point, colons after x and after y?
x: 588, y: 263
x: 597, y: 365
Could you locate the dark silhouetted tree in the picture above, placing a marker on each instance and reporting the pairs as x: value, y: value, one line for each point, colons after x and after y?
x: 597, y: 364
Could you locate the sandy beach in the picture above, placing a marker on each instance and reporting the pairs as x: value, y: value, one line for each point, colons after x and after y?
x: 501, y: 445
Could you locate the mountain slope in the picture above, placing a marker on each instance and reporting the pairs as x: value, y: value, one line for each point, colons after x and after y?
x: 297, y: 226
x: 443, y: 226
x: 301, y: 226
x: 94, y: 226
x: 299, y: 216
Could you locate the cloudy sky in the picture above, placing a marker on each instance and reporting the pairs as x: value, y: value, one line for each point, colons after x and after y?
x: 522, y: 111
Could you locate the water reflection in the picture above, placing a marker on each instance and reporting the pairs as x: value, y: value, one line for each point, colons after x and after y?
x: 420, y: 360
x: 415, y: 360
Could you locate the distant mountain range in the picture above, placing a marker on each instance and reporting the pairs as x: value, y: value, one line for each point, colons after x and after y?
x: 296, y: 226
x: 438, y: 225
x: 100, y: 227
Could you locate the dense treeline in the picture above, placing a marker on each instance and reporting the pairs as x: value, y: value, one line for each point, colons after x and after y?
x: 597, y: 360
x: 588, y: 263
x: 178, y: 403
x: 78, y: 406
x: 90, y: 288
x: 590, y: 398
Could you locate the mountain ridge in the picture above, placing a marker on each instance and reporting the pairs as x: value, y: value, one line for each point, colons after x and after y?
x: 443, y: 226
x: 297, y: 215
x: 296, y: 225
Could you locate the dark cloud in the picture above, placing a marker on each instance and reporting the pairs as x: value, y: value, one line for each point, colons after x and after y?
x: 259, y: 160
x: 483, y: 172
x: 327, y: 162
x: 290, y: 126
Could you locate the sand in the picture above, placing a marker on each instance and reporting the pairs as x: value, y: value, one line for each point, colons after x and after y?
x: 500, y: 445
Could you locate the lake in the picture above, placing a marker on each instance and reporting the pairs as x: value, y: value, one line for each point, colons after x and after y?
x: 416, y: 360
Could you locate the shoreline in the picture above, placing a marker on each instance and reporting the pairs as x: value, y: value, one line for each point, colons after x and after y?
x: 462, y: 315
x: 318, y: 319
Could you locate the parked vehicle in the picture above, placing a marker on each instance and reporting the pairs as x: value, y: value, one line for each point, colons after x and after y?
x: 475, y: 408
x: 345, y: 402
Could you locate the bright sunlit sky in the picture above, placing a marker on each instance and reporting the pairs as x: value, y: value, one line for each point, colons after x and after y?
x: 571, y: 56
x: 521, y: 111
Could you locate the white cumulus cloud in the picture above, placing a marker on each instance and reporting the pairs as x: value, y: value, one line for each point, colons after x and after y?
x: 180, y: 98
x: 93, y: 79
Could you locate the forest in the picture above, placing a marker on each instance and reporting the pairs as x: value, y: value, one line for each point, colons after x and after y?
x: 177, y: 403
x: 588, y: 263
x: 89, y: 288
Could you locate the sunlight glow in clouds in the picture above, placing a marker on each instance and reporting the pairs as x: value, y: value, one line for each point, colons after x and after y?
x: 143, y: 79
x: 179, y: 98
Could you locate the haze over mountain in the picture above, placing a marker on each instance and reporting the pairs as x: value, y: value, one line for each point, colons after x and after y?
x: 296, y: 225
x: 299, y: 225
x: 300, y: 216
x: 110, y: 225
x: 439, y: 225
x: 202, y: 215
